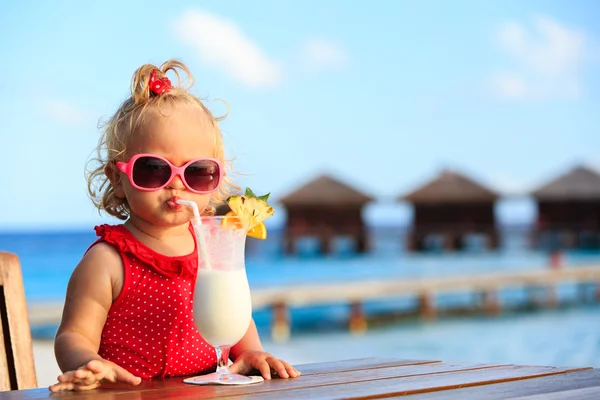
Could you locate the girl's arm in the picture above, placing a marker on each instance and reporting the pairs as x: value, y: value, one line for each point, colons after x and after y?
x: 96, y: 281
x: 89, y: 297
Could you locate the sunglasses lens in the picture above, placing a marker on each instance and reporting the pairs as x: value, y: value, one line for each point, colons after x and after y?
x: 151, y: 172
x: 202, y: 176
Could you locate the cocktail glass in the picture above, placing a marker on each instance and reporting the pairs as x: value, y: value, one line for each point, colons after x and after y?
x: 222, y: 303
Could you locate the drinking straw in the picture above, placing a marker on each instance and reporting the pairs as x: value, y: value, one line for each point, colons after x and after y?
x: 196, y: 222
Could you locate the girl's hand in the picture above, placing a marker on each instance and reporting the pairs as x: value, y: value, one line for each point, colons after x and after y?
x: 91, y: 375
x: 250, y: 361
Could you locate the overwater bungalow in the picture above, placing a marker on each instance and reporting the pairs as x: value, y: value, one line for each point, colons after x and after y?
x: 325, y: 208
x: 449, y: 209
x: 569, y: 210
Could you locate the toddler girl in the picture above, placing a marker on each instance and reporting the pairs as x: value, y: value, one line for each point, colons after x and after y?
x: 128, y: 308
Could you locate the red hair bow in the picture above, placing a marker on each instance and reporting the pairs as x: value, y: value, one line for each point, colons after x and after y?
x: 159, y: 85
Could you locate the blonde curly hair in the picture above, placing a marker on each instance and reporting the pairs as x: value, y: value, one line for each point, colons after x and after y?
x: 130, y: 117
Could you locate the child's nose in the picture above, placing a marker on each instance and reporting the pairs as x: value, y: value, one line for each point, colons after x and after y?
x: 176, y: 183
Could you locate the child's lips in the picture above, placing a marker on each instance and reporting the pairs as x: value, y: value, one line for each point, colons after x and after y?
x: 173, y: 205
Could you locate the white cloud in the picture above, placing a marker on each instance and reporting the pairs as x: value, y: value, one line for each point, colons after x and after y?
x: 322, y: 54
x: 67, y: 113
x: 548, y: 60
x: 222, y: 44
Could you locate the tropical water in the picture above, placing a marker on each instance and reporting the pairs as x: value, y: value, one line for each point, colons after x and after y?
x: 566, y: 336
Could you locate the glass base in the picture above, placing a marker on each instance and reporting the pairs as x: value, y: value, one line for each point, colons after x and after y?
x: 223, y: 379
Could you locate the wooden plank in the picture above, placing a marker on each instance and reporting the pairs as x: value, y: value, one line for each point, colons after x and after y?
x: 591, y: 393
x: 507, y: 390
x: 402, y: 386
x: 323, y: 386
x: 306, y: 369
x: 4, y: 377
x: 279, y: 388
x: 356, y: 365
x: 16, y: 314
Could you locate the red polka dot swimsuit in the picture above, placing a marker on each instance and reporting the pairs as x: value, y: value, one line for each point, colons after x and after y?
x: 150, y: 329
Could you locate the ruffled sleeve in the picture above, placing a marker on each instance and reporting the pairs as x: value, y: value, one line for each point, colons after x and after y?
x: 125, y: 242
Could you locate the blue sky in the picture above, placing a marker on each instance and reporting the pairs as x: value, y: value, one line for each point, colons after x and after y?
x: 383, y: 94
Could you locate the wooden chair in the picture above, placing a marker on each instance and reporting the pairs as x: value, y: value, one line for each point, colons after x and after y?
x: 17, y: 369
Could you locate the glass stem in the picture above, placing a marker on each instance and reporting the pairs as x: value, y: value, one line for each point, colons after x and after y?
x: 222, y: 361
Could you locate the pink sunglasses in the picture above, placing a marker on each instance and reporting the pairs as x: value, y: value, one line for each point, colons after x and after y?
x: 149, y: 172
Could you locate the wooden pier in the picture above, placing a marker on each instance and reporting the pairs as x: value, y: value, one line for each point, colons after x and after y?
x: 485, y: 288
x: 354, y: 294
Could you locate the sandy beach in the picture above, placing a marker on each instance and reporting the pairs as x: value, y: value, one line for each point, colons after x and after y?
x: 45, y: 364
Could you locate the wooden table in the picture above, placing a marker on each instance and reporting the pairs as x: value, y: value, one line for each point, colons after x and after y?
x: 371, y: 378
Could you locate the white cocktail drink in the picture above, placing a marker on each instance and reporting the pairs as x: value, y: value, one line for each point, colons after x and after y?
x: 222, y: 303
x: 222, y: 306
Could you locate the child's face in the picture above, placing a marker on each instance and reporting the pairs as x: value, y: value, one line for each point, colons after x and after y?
x: 185, y: 134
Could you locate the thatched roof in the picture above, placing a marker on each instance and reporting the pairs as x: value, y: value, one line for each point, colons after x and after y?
x: 580, y: 183
x: 451, y: 187
x: 323, y: 191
